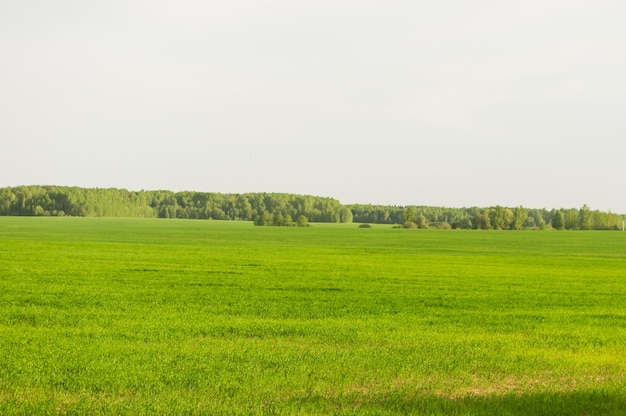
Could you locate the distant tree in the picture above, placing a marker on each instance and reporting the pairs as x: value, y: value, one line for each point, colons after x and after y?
x: 570, y: 219
x: 464, y: 223
x: 520, y: 215
x: 279, y: 219
x: 345, y: 215
x: 443, y: 225
x: 421, y: 221
x: 482, y: 220
x: 600, y: 220
x: 557, y: 220
x: 500, y: 218
x: 584, y: 218
x: 533, y: 219
x: 302, y: 221
x: 409, y: 215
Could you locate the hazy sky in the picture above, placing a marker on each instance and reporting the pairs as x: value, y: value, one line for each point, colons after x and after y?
x: 447, y: 103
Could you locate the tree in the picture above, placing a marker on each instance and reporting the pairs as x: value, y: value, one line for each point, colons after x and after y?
x: 302, y: 221
x: 519, y: 218
x: 421, y: 221
x: 570, y: 219
x: 584, y: 216
x: 482, y: 221
x: 464, y: 223
x: 409, y: 215
x: 345, y: 215
x: 557, y: 220
x: 500, y: 218
x: 279, y: 219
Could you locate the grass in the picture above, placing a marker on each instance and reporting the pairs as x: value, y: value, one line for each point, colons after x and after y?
x: 133, y: 316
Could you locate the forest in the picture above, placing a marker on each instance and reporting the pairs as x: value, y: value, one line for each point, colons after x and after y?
x: 282, y: 209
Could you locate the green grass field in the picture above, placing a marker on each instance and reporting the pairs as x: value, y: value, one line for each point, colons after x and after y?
x: 130, y: 316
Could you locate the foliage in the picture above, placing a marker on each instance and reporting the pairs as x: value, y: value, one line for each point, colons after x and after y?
x: 281, y: 209
x: 557, y: 220
x: 266, y: 208
x: 147, y: 316
x: 421, y: 221
x: 302, y: 221
x: 410, y: 225
x: 440, y: 225
x: 409, y: 215
x: 520, y: 215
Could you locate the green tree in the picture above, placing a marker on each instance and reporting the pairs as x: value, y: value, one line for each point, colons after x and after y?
x: 259, y: 220
x: 279, y: 219
x: 345, y: 215
x: 482, y: 220
x: 409, y: 215
x: 464, y: 223
x: 421, y: 221
x: 302, y: 221
x: 570, y: 219
x: 584, y: 216
x: 500, y: 218
x: 557, y: 220
x: 520, y: 215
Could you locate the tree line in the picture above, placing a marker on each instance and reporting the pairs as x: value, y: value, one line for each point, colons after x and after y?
x: 490, y: 218
x: 112, y: 202
x: 286, y: 209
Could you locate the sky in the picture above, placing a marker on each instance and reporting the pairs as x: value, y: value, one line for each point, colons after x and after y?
x: 408, y: 102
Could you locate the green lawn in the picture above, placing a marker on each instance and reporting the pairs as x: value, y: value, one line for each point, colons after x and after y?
x: 135, y: 316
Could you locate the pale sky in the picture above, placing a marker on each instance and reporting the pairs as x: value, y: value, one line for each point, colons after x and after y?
x: 445, y: 103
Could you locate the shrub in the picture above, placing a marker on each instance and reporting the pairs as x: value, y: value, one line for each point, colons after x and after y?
x: 440, y: 225
x: 302, y: 221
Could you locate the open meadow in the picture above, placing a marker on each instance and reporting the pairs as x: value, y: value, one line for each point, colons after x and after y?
x: 148, y: 316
